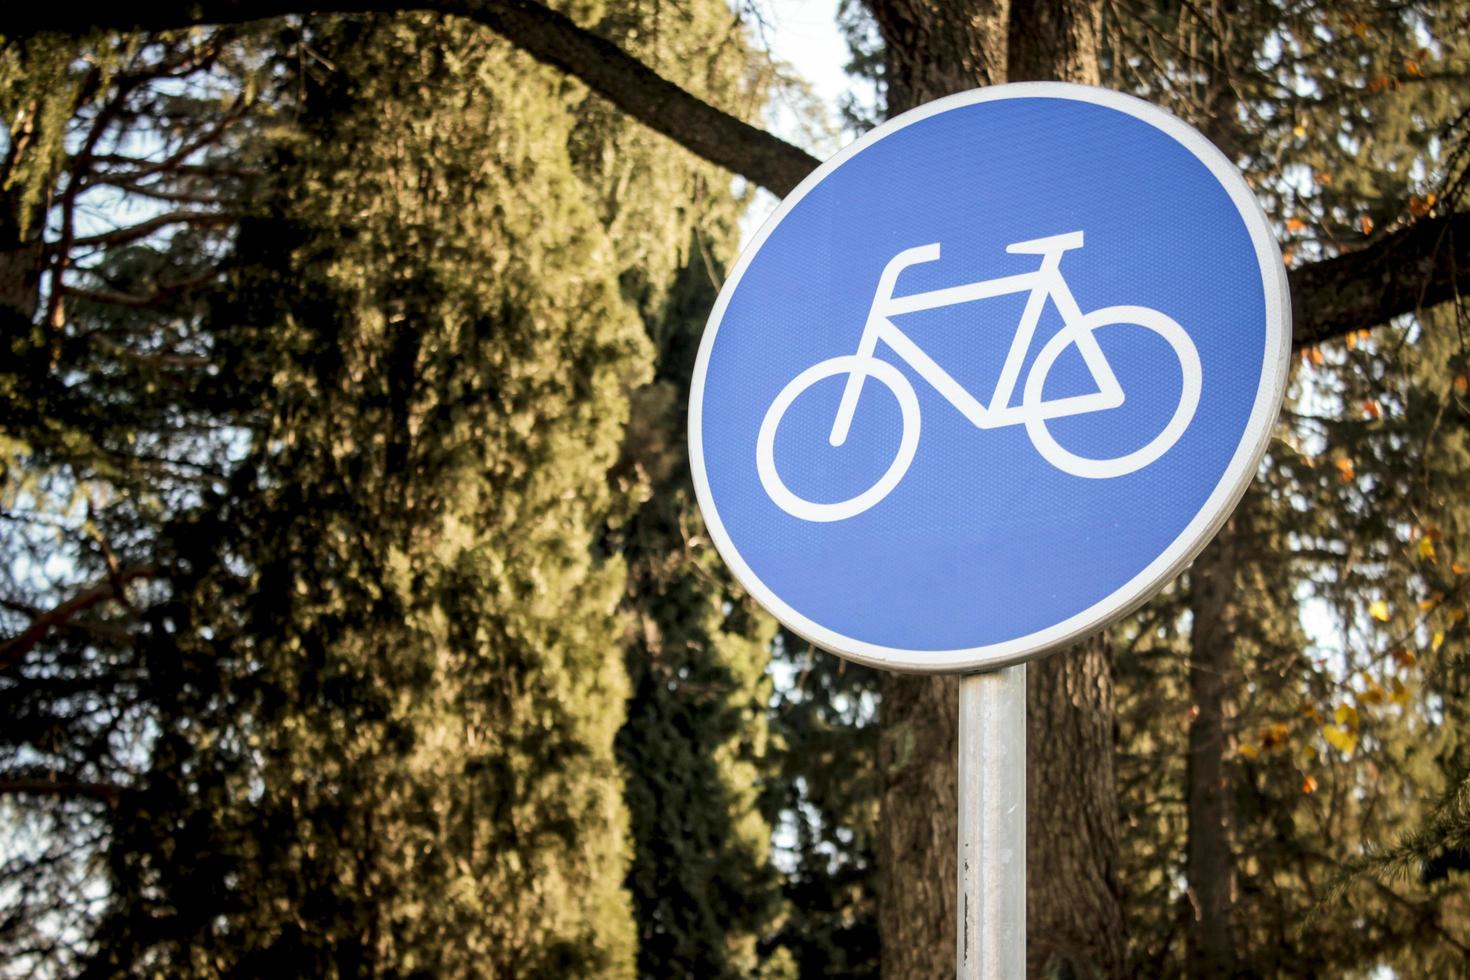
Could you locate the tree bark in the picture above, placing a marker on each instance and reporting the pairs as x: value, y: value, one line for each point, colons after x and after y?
x: 1209, y: 864
x: 1074, y: 905
x: 1075, y: 921
x: 918, y: 825
x: 1074, y: 911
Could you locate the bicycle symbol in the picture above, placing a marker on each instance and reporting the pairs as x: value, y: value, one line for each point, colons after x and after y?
x: 1078, y: 328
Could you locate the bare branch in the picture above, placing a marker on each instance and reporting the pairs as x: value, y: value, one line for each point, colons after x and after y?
x: 145, y: 228
x: 12, y: 650
x: 104, y: 792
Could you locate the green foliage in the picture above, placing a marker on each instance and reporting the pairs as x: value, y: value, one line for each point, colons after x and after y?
x: 1345, y: 596
x: 827, y: 718
x: 384, y: 691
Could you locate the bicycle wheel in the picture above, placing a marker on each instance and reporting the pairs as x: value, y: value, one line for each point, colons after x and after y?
x: 765, y: 445
x: 1189, y: 367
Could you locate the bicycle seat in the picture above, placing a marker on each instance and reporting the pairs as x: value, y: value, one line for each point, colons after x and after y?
x: 1047, y: 245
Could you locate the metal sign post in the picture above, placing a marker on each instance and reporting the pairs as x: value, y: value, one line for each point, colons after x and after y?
x: 990, y: 936
x: 986, y: 381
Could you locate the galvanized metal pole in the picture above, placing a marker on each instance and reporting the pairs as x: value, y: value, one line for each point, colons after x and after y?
x: 991, y: 939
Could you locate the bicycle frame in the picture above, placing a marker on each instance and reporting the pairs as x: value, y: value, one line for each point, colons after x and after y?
x: 1045, y: 283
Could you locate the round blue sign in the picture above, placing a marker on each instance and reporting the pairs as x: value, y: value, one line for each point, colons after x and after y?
x: 989, y: 377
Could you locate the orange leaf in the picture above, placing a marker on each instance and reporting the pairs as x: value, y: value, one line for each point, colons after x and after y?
x: 1457, y: 568
x: 1324, y: 178
x: 1345, y: 469
x: 1404, y: 658
x: 1412, y: 67
x: 1295, y: 224
x: 1420, y: 206
x: 1379, y: 83
x: 1365, y: 223
x: 1371, y: 407
x: 1462, y: 383
x: 1309, y: 785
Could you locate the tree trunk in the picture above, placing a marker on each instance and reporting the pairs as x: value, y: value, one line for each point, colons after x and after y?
x: 1075, y: 922
x: 1074, y: 913
x: 1209, y: 864
x: 918, y: 826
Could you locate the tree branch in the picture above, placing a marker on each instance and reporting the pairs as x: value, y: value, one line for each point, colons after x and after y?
x: 13, y: 649
x: 143, y: 229
x: 1417, y: 267
x: 545, y: 34
x: 103, y: 792
x: 1414, y: 268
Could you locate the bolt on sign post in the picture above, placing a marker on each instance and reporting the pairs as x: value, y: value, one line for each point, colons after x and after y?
x: 986, y: 381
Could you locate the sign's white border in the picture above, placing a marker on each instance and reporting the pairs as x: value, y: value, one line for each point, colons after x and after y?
x: 1190, y: 541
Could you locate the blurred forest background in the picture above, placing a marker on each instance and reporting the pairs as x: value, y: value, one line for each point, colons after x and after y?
x: 356, y: 618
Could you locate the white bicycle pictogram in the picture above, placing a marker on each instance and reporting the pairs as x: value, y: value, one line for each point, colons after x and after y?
x: 1033, y: 412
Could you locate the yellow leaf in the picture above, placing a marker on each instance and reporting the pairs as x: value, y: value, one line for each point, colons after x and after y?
x: 1249, y: 751
x: 1400, y: 694
x: 1426, y: 548
x: 1379, y: 611
x: 1347, y: 716
x: 1438, y: 641
x: 1309, y: 785
x: 1274, y: 736
x: 1342, y: 739
x: 1299, y: 130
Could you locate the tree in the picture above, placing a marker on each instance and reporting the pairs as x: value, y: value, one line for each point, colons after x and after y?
x: 371, y: 692
x: 931, y: 48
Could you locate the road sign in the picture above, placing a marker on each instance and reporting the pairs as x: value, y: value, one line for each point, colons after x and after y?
x: 989, y: 377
